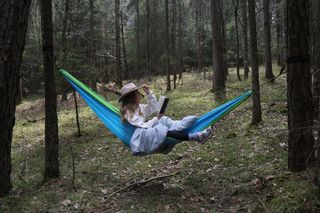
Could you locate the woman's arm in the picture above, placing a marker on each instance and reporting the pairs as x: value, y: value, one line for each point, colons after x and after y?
x: 152, y: 103
x: 139, y: 121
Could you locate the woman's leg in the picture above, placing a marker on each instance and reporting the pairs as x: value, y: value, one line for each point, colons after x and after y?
x: 178, y: 135
x: 201, y: 137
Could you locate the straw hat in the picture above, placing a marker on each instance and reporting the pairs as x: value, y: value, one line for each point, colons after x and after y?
x: 127, y: 89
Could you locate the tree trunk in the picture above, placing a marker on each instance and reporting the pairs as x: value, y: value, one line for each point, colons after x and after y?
x: 267, y: 35
x: 244, y: 15
x: 180, y: 62
x: 118, y: 51
x: 13, y: 26
x: 300, y: 109
x: 64, y: 47
x: 224, y: 13
x: 285, y: 33
x: 167, y: 46
x: 198, y: 34
x: 256, y: 116
x: 137, y: 23
x: 148, y: 37
x: 173, y: 42
x: 236, y: 9
x: 92, y: 44
x: 51, y: 120
x: 278, y: 21
x: 217, y: 51
x: 316, y: 79
x: 20, y: 93
x: 124, y: 52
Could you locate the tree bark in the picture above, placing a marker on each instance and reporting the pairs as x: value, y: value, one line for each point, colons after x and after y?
x: 180, y: 61
x: 167, y: 46
x: 244, y: 15
x: 267, y: 35
x: 13, y: 26
x: 173, y: 42
x: 148, y: 37
x: 278, y: 21
x: 285, y: 32
x: 51, y: 120
x: 217, y: 51
x: 256, y: 116
x: 117, y: 34
x: 236, y: 9
x: 64, y: 46
x: 137, y: 24
x: 300, y: 108
x: 124, y: 50
x: 198, y: 14
x: 92, y: 44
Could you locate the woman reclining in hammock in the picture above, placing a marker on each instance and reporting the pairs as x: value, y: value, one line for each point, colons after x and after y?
x: 150, y: 135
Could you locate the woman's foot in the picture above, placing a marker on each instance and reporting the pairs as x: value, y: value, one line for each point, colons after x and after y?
x: 204, y: 135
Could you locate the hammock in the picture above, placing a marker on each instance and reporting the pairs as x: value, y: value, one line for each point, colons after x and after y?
x: 111, y: 118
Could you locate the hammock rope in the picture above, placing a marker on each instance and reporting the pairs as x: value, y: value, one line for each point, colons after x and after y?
x: 110, y: 115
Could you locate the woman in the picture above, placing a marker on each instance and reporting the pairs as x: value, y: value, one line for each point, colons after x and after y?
x: 149, y: 135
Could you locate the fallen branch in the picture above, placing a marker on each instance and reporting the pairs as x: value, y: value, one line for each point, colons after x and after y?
x: 143, y: 182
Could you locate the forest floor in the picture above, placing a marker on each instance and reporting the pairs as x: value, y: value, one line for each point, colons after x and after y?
x: 243, y: 168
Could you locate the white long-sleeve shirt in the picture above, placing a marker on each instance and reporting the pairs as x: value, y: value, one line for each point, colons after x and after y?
x: 139, y: 119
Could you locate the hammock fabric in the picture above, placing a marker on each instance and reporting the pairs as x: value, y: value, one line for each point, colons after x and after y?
x: 110, y: 115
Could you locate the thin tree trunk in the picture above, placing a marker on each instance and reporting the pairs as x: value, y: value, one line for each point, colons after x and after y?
x: 223, y: 14
x: 13, y: 26
x: 180, y: 62
x: 198, y: 34
x: 316, y: 73
x: 92, y: 43
x: 137, y: 23
x: 118, y: 51
x: 77, y: 112
x: 124, y: 52
x: 148, y: 37
x: 300, y: 108
x: 217, y: 50
x: 256, y: 116
x: 244, y: 15
x: 285, y: 32
x: 64, y: 47
x: 167, y: 46
x: 278, y: 31
x: 316, y: 84
x: 173, y: 42
x: 236, y: 9
x: 20, y: 93
x: 51, y: 120
x: 267, y: 34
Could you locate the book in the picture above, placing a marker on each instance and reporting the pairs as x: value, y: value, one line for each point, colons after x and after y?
x: 162, y: 104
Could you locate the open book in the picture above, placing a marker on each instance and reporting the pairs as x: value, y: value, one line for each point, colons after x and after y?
x: 162, y: 104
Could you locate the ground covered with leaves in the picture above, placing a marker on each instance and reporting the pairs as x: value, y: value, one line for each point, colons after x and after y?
x: 243, y: 168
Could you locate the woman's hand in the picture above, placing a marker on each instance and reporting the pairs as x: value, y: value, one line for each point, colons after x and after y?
x: 160, y: 115
x: 146, y: 89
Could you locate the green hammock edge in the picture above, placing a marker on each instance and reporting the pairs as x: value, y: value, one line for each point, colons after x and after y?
x: 249, y: 93
x: 89, y: 91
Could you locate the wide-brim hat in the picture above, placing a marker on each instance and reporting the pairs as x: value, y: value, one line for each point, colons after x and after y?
x: 127, y: 89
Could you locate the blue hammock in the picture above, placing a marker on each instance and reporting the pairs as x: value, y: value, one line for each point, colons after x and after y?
x: 111, y: 118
